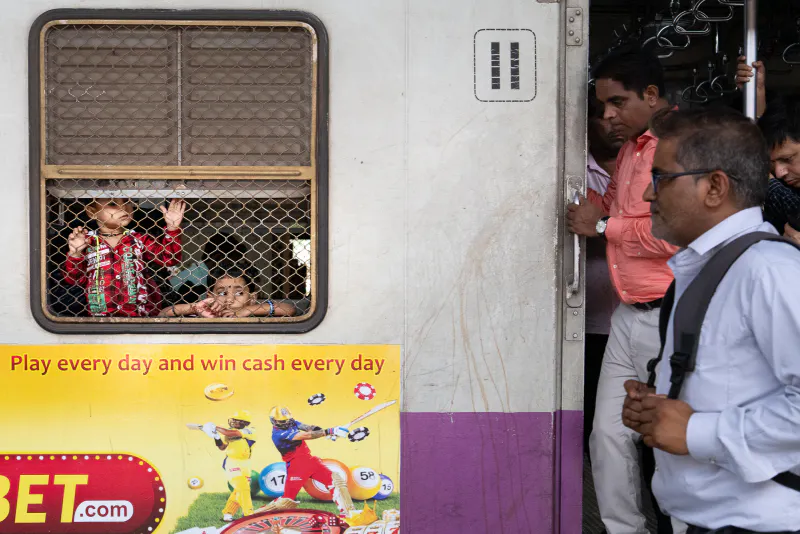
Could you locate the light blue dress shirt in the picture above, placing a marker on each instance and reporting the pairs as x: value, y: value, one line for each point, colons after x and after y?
x: 745, y: 389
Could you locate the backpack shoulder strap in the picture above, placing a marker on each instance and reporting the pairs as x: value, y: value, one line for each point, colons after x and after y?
x: 663, y: 322
x: 693, y: 304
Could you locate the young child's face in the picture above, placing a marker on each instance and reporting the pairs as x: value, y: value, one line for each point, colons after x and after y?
x: 232, y: 293
x: 112, y: 212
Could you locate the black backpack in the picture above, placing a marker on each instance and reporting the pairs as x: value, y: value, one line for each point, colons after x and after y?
x: 689, y: 315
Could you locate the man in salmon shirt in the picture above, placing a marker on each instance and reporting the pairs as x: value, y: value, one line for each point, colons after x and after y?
x: 630, y: 82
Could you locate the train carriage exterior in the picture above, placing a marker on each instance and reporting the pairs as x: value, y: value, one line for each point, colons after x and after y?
x: 440, y: 142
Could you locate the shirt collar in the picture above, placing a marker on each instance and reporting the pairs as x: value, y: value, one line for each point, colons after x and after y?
x: 734, y: 225
x: 593, y: 166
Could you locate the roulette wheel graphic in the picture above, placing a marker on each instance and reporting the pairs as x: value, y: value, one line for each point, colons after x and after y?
x: 288, y: 522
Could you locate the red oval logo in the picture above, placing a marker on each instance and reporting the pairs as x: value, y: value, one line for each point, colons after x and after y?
x: 58, y: 493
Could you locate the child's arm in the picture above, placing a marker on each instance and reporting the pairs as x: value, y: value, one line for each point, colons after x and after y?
x: 208, y: 308
x: 267, y: 309
x: 75, y: 265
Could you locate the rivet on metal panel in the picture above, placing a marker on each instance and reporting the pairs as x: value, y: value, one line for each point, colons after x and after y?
x: 574, y: 26
x: 573, y: 325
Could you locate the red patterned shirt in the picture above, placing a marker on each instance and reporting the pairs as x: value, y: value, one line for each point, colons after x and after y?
x: 115, y: 278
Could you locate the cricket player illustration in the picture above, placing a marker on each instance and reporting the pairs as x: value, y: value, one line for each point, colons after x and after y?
x: 237, y: 443
x: 289, y: 437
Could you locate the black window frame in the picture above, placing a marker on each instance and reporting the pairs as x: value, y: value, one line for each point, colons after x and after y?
x: 37, y: 296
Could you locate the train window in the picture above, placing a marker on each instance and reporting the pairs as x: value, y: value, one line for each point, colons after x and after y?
x: 180, y: 178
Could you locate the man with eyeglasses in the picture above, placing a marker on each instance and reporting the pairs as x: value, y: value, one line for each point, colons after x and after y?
x: 735, y: 423
x: 630, y: 83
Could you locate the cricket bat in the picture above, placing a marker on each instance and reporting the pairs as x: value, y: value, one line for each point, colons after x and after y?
x: 194, y: 426
x: 373, y: 411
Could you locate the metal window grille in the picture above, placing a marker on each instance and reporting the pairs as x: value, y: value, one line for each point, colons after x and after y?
x: 219, y: 114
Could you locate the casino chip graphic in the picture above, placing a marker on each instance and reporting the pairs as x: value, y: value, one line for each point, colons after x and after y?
x: 364, y: 391
x: 316, y: 399
x: 358, y: 434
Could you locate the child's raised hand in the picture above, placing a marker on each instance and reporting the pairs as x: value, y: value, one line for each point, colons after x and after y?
x: 77, y: 241
x: 173, y: 215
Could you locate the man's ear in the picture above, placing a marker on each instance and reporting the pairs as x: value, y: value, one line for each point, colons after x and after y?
x: 652, y: 95
x: 719, y: 189
x: 91, y: 210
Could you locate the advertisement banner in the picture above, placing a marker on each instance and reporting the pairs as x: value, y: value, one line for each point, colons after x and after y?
x: 124, y: 439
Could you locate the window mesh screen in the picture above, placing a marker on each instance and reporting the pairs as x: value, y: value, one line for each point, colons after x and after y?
x: 138, y: 115
x: 230, y: 227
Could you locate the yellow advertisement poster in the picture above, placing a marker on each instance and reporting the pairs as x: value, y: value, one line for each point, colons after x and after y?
x: 197, y: 439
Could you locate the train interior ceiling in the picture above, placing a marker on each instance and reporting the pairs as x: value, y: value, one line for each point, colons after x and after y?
x: 698, y: 42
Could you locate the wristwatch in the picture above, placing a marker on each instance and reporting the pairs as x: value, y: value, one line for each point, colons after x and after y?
x: 601, y: 225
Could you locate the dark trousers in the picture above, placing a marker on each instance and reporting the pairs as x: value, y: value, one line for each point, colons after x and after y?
x: 592, y: 361
x: 594, y: 349
x: 730, y: 530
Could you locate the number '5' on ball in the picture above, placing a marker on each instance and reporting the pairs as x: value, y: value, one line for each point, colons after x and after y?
x: 365, y: 483
x: 273, y: 479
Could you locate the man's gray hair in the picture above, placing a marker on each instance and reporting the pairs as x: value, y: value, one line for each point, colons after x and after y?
x: 720, y: 139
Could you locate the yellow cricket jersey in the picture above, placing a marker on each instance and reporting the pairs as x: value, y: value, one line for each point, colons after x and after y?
x: 241, y: 448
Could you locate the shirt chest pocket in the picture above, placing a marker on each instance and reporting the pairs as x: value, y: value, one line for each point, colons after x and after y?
x: 635, y: 185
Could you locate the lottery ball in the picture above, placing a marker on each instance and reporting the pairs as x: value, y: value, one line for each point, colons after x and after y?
x: 364, y: 391
x: 358, y: 434
x: 319, y: 491
x: 364, y: 484
x: 273, y: 479
x: 195, y: 483
x: 316, y: 399
x: 386, y: 489
x: 255, y: 488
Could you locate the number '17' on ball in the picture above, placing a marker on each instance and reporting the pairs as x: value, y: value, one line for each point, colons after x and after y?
x: 273, y: 479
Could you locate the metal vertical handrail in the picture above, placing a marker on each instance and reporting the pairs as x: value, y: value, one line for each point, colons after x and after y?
x: 750, y: 52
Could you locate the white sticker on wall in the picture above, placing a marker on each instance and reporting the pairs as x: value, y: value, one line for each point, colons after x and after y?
x: 505, y: 65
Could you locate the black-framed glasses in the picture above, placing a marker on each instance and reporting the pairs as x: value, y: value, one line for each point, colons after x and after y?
x: 657, y: 176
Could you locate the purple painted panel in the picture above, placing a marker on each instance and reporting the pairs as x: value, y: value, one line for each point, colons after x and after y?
x: 570, y: 424
x: 482, y: 473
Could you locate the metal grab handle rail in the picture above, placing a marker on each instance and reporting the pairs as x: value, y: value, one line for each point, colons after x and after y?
x: 669, y: 45
x: 574, y: 285
x: 705, y: 30
x: 686, y: 94
x: 706, y: 88
x: 702, y: 17
x: 717, y: 86
x: 790, y: 50
x: 661, y: 56
x: 732, y: 3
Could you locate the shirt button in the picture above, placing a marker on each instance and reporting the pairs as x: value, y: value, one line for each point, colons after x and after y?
x: 614, y: 266
x: 628, y: 182
x: 638, y: 154
x: 117, y: 277
x: 624, y: 292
